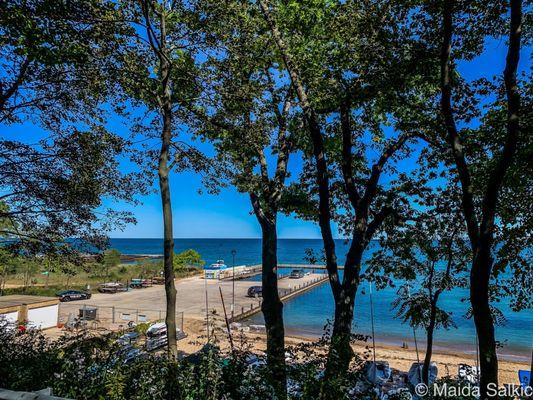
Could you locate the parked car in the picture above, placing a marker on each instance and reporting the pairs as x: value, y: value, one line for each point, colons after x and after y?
x: 255, y: 291
x: 158, y: 280
x: 69, y: 295
x: 137, y: 283
x: 156, y: 336
x: 297, y: 274
x: 112, y: 287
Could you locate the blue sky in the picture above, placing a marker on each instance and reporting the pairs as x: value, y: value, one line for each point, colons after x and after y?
x: 228, y: 214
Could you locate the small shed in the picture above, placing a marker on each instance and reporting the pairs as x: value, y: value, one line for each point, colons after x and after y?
x: 37, y: 311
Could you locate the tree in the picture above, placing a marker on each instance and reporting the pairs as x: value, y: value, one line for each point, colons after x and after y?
x: 186, y: 259
x: 246, y: 111
x: 53, y: 59
x: 431, y: 255
x: 353, y: 75
x: 27, y: 267
x: 110, y: 259
x: 484, y: 170
x: 155, y: 70
x: 8, y: 266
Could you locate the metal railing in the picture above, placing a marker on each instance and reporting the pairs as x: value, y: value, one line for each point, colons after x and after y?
x: 283, y: 294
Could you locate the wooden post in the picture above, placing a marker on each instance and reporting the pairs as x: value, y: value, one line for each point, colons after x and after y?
x: 226, y: 318
x: 22, y: 314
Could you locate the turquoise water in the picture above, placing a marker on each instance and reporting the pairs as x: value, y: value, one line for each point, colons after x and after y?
x: 308, y: 313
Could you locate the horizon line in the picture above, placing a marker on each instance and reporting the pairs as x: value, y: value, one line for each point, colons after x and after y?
x: 221, y: 238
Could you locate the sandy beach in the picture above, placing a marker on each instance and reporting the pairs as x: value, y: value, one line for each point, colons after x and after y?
x: 399, y: 358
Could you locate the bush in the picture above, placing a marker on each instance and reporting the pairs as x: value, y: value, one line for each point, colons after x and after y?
x: 89, y: 367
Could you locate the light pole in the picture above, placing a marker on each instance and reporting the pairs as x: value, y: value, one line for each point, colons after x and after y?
x: 233, y: 253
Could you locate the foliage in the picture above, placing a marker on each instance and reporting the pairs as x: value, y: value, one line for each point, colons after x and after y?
x: 54, y: 190
x: 111, y: 258
x: 87, y: 367
x: 187, y: 259
x: 53, y: 59
x: 430, y: 255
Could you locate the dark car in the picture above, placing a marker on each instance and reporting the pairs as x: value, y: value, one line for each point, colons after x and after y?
x: 297, y: 274
x: 69, y: 295
x: 255, y: 291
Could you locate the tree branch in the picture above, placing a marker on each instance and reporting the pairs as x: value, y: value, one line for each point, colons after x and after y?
x: 347, y: 159
x: 5, y: 95
x: 377, y: 221
x: 513, y: 128
x: 453, y: 137
x: 377, y: 169
x: 318, y: 148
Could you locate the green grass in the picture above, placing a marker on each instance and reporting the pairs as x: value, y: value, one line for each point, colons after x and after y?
x: 122, y: 273
x: 40, y: 291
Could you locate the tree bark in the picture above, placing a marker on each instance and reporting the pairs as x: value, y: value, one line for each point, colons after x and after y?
x: 429, y: 345
x: 168, y: 240
x: 164, y: 186
x: 271, y: 306
x: 340, y: 351
x: 479, y: 298
x: 272, y: 309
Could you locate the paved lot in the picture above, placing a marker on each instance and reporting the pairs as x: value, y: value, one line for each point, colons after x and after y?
x: 150, y: 302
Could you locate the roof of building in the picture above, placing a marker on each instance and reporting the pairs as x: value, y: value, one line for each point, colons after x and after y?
x: 11, y: 302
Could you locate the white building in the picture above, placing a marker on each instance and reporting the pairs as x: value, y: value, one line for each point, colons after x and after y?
x: 34, y: 311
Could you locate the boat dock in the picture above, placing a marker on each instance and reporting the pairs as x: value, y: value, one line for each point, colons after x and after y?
x: 243, y: 272
x: 285, y: 293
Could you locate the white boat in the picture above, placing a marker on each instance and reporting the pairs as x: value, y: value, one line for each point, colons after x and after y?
x: 415, y: 373
x: 377, y: 373
x: 213, y: 271
x: 156, y: 336
x: 468, y: 373
x: 218, y: 265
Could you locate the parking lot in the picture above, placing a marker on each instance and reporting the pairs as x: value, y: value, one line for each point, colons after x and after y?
x: 149, y: 303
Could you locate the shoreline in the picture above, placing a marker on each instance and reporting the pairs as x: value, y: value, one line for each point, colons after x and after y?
x: 399, y: 358
x: 440, y: 348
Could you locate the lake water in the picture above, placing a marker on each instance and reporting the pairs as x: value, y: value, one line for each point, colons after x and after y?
x: 308, y: 313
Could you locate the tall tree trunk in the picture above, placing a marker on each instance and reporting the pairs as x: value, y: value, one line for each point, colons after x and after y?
x: 482, y: 235
x: 272, y: 309
x: 168, y: 239
x: 479, y: 298
x: 429, y: 345
x: 340, y: 351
